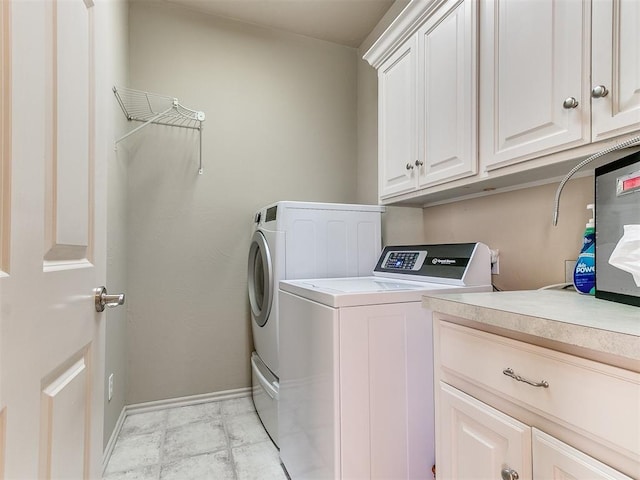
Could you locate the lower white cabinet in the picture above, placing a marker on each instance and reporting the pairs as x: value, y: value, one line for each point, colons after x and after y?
x: 478, y: 441
x: 512, y: 410
x: 555, y: 459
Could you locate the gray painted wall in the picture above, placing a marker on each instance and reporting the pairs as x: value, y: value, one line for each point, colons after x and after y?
x: 518, y: 223
x: 281, y: 124
x: 116, y: 35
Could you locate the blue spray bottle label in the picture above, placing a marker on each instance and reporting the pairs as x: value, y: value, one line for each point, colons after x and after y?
x: 584, y: 275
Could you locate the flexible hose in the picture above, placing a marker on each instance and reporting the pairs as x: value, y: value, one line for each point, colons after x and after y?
x: 620, y: 146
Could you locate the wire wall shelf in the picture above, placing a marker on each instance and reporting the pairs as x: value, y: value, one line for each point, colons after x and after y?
x: 151, y: 108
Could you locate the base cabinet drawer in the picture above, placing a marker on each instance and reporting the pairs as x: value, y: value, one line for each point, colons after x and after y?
x: 564, y: 388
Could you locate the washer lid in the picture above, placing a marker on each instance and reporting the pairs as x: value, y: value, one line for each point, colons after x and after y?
x: 356, y: 291
x: 359, y: 285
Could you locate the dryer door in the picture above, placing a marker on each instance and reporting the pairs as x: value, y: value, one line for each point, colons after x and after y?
x: 260, y: 279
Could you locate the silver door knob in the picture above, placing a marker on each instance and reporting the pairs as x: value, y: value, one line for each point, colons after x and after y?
x: 509, y: 474
x: 102, y: 299
x: 599, y: 91
x: 419, y: 163
x: 570, y: 102
x: 409, y: 166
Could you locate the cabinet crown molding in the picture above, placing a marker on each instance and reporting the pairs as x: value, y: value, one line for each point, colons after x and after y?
x: 404, y: 25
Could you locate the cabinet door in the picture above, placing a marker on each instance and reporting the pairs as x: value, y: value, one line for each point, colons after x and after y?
x: 397, y: 121
x: 553, y: 459
x: 447, y: 96
x: 533, y: 56
x: 616, y: 66
x: 477, y: 441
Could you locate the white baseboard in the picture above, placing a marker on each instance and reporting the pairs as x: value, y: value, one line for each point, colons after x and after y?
x: 106, y: 455
x: 190, y: 400
x: 168, y: 403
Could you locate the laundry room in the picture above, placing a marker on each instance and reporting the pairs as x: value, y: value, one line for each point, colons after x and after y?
x: 293, y: 118
x: 281, y: 125
x: 285, y: 117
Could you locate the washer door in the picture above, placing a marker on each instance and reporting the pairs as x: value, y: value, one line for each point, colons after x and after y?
x: 260, y: 279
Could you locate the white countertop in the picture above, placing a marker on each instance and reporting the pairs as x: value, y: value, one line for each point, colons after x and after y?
x: 552, y: 315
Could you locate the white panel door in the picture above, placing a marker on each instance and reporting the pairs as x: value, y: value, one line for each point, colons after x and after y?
x: 51, y: 337
x: 447, y: 98
x: 555, y: 460
x: 476, y: 441
x: 533, y: 57
x: 616, y: 66
x: 397, y: 142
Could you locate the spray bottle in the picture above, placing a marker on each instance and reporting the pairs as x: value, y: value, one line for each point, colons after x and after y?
x: 584, y: 274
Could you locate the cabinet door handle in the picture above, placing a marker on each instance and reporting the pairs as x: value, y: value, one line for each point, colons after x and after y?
x: 599, y: 91
x: 510, y: 373
x: 509, y: 474
x: 409, y: 166
x: 570, y: 102
x: 419, y: 163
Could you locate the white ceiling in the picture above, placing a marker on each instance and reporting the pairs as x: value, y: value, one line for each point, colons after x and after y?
x: 346, y: 22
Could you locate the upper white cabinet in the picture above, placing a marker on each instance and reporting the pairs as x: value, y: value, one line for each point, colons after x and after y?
x: 427, y: 103
x: 556, y: 75
x: 616, y: 67
x: 447, y: 94
x: 397, y: 121
x: 534, y: 63
x: 476, y: 95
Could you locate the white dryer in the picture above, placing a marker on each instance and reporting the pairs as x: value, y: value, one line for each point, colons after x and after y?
x: 356, y: 377
x: 300, y: 240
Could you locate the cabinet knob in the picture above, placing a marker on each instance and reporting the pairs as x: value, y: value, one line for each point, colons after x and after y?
x: 409, y: 166
x: 419, y: 163
x: 570, y: 102
x: 509, y: 474
x: 599, y: 91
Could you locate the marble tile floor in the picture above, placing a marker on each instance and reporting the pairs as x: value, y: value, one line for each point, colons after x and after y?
x: 217, y: 440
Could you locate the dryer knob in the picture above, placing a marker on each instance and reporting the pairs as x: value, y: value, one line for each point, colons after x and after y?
x: 258, y: 217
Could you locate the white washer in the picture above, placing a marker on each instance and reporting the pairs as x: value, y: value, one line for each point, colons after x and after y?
x: 300, y: 240
x: 356, y: 377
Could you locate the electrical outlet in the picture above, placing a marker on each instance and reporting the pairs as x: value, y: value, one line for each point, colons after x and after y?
x: 110, y: 387
x: 495, y: 262
x: 569, y: 267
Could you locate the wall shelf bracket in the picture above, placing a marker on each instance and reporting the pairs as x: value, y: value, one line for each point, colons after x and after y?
x: 148, y: 108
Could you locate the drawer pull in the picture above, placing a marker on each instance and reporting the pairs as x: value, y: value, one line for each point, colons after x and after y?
x: 510, y: 373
